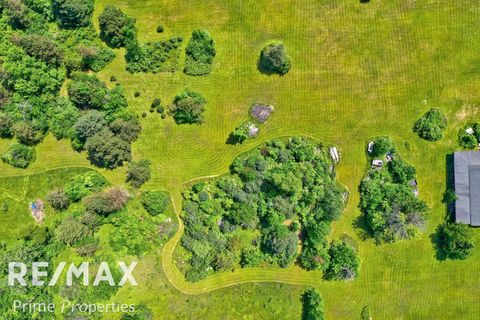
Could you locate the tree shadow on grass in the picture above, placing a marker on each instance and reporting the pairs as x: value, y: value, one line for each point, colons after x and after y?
x: 231, y: 140
x: 449, y: 209
x: 361, y: 228
x: 266, y: 71
x: 435, y: 238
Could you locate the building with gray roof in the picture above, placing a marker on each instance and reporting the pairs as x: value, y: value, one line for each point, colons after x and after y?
x: 467, y: 187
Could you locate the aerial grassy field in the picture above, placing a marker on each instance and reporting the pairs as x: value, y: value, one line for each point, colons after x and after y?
x: 358, y: 71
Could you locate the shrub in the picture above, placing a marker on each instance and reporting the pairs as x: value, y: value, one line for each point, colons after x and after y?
x: 116, y: 28
x: 62, y: 118
x: 70, y: 231
x: 27, y: 134
x: 466, y: 140
x: 199, y: 53
x: 58, y: 199
x: 126, y: 129
x: 138, y: 173
x: 312, y: 305
x: 108, y: 201
x: 156, y: 56
x: 154, y: 202
x: 431, y: 125
x: 344, y: 262
x: 456, y: 240
x: 73, y: 13
x: 160, y: 29
x: 40, y: 47
x: 188, y: 107
x: 274, y: 58
x: 137, y: 94
x: 382, y: 145
x: 6, y: 124
x: 156, y: 102
x: 82, y: 185
x: 19, y: 155
x: 95, y: 58
x: 89, y: 124
x: 241, y: 133
x: 87, y: 91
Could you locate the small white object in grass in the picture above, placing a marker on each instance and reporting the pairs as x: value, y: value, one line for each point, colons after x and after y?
x: 469, y: 131
x: 370, y: 147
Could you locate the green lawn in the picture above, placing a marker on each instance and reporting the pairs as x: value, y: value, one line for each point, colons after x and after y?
x: 358, y: 71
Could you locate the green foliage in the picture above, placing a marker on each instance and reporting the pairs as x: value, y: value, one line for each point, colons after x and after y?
x: 388, y: 200
x: 58, y: 199
x: 107, y: 150
x: 62, y: 118
x: 142, y: 312
x: 126, y: 129
x: 381, y: 146
x: 188, y: 107
x: 6, y: 124
x: 455, y: 240
x: 26, y: 133
x: 312, y: 305
x: 281, y: 180
x: 241, y: 133
x: 159, y: 56
x: 107, y: 201
x: 431, y: 125
x: 94, y: 58
x: 116, y: 28
x: 138, y: 173
x: 134, y: 235
x: 40, y: 47
x: 344, y: 262
x: 84, y: 184
x: 466, y: 140
x: 73, y: 13
x: 155, y: 202
x: 87, y: 91
x: 274, y: 58
x: 19, y: 155
x: 365, y: 314
x: 70, y: 231
x: 199, y: 53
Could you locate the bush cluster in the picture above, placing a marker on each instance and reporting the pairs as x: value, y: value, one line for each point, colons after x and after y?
x: 199, y: 53
x: 274, y: 58
x: 431, y: 125
x: 392, y: 209
x: 268, y: 190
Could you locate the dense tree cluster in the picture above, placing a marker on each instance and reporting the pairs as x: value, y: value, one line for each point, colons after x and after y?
x: 274, y: 58
x: 271, y: 193
x: 108, y: 201
x: 312, y: 305
x: 389, y: 201
x: 73, y: 13
x: 455, y: 240
x: 117, y: 29
x: 469, y: 136
x: 36, y: 61
x: 105, y: 127
x: 199, y: 53
x: 431, y: 125
x: 188, y: 107
x: 19, y: 155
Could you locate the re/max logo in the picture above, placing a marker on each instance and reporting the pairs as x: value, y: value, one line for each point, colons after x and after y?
x: 18, y: 270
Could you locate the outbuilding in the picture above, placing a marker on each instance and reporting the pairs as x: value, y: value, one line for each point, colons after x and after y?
x: 467, y: 187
